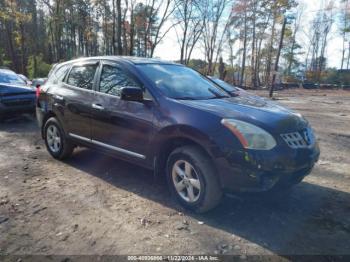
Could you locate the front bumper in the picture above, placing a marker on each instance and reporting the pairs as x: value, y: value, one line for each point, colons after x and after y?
x: 259, y: 171
x: 9, y: 110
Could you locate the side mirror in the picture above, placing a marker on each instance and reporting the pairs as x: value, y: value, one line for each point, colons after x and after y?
x: 132, y: 94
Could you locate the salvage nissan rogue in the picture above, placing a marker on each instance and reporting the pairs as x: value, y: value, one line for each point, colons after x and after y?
x: 205, y: 139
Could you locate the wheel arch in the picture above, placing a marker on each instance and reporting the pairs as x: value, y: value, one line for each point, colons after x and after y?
x: 172, y: 138
x: 46, y: 117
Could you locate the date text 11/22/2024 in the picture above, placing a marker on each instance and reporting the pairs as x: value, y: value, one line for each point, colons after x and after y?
x: 173, y: 258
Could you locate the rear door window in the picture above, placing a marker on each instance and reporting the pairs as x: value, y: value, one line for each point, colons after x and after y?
x: 82, y: 76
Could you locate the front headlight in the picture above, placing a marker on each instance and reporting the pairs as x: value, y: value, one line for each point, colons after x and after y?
x: 250, y: 136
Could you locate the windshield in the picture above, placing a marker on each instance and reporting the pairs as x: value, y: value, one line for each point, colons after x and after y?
x: 8, y: 78
x: 226, y: 86
x: 181, y: 82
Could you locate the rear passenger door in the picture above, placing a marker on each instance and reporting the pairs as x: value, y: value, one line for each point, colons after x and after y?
x: 77, y: 94
x: 122, y: 127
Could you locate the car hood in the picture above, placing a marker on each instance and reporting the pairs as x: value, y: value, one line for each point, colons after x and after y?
x: 269, y: 115
x: 10, y: 89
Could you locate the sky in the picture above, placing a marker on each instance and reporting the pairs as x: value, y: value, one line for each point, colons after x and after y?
x: 169, y: 48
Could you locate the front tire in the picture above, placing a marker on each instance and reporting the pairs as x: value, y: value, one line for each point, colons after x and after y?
x: 56, y: 142
x: 192, y: 179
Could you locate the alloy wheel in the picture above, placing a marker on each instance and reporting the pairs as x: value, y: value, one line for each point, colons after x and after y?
x: 53, y: 139
x: 186, y: 181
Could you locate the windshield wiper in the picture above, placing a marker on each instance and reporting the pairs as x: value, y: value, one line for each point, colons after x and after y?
x: 234, y: 93
x: 184, y: 98
x: 217, y: 95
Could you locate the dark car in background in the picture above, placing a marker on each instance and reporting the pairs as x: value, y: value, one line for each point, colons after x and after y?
x: 310, y: 85
x: 166, y: 117
x: 16, y: 97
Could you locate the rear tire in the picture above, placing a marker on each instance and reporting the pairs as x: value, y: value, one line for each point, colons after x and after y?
x: 56, y: 142
x: 192, y: 179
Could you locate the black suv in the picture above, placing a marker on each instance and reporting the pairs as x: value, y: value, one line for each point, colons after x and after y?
x: 206, y: 139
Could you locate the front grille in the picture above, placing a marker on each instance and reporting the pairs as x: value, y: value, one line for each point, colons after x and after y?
x: 301, y: 139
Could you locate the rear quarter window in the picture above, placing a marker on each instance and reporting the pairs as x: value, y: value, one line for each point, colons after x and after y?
x: 59, y: 74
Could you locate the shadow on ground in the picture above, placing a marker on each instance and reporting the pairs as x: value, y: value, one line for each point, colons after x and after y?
x: 19, y: 124
x: 311, y: 220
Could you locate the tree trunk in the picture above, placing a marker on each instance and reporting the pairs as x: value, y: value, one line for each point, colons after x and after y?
x: 183, y: 42
x: 269, y: 58
x: 253, y: 64
x: 113, y: 28
x: 244, y: 49
x: 291, y: 58
x: 221, y: 69
x: 23, y: 67
x: 10, y: 45
x: 35, y: 31
x: 348, y: 62
x: 119, y: 28
x: 278, y: 56
x: 344, y: 33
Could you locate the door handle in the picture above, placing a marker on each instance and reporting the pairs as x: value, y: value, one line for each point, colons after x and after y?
x: 98, y: 107
x: 58, y: 97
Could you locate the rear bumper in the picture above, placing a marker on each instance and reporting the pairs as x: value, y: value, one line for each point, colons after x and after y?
x: 261, y: 171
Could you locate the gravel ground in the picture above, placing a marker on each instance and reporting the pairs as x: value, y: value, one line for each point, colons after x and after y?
x: 94, y: 204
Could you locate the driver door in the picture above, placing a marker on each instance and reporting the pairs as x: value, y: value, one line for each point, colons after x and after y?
x: 121, y: 127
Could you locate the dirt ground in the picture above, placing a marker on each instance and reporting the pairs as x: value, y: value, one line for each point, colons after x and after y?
x: 94, y: 204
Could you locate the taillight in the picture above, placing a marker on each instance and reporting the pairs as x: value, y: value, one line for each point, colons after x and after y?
x: 37, y: 91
